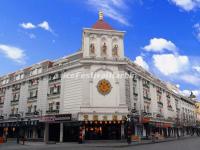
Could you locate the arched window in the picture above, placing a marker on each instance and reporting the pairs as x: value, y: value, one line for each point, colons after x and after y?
x: 92, y: 49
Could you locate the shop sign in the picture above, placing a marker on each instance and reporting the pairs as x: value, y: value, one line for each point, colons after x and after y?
x: 63, y: 117
x: 47, y: 119
x: 167, y: 125
x: 85, y: 117
x: 105, y: 118
x: 95, y: 117
x: 114, y: 117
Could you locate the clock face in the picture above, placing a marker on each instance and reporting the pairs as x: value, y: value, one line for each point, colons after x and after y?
x: 104, y: 87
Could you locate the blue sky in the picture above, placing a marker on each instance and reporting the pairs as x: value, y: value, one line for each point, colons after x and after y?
x: 163, y: 36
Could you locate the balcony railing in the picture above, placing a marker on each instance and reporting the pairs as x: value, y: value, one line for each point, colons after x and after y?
x: 146, y: 85
x: 52, y: 111
x: 160, y: 103
x: 14, y: 102
x: 136, y: 94
x: 33, y: 98
x: 170, y: 108
x: 54, y: 80
x: 14, y: 115
x: 53, y: 95
x: 147, y: 98
x: 32, y: 113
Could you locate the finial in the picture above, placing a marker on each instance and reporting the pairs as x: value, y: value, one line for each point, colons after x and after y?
x: 100, y: 15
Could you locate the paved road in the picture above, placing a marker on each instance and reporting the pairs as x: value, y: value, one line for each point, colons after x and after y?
x: 184, y: 144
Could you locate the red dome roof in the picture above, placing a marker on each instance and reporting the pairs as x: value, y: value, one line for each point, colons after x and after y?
x: 101, y: 24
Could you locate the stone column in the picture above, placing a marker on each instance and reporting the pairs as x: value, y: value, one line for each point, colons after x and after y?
x: 61, y: 132
x: 46, y: 133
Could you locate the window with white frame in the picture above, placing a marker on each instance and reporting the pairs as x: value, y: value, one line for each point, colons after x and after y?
x: 33, y: 93
x: 57, y: 105
x: 50, y: 106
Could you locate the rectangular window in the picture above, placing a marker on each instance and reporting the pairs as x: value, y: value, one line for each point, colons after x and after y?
x: 35, y: 108
x: 57, y: 105
x: 50, y: 106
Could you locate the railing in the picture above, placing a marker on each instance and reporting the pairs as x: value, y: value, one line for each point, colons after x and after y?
x: 14, y: 115
x: 160, y: 103
x: 146, y: 85
x: 136, y: 94
x: 53, y: 95
x: 52, y: 111
x: 14, y: 102
x: 32, y: 98
x: 147, y: 98
x: 32, y: 113
x: 54, y: 80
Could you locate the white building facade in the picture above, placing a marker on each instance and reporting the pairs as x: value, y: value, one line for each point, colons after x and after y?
x: 90, y: 94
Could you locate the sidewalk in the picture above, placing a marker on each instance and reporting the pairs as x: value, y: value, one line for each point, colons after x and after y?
x: 122, y: 143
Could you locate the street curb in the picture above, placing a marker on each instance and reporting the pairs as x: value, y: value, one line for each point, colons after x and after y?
x: 148, y: 143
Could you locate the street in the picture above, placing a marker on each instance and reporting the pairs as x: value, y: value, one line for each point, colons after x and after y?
x: 183, y: 144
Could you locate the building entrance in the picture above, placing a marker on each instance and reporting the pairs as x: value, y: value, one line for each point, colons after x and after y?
x: 103, y: 132
x: 54, y: 132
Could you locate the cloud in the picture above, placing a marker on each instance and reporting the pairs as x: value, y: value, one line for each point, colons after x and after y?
x: 169, y: 64
x: 190, y: 78
x: 197, y: 30
x: 111, y: 8
x: 45, y: 25
x: 187, y: 5
x: 160, y: 45
x: 140, y: 61
x: 32, y: 36
x: 188, y: 92
x: 13, y: 53
x: 196, y: 68
x: 28, y: 25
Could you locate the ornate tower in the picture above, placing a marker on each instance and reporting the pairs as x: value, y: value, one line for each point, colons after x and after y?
x: 102, y: 41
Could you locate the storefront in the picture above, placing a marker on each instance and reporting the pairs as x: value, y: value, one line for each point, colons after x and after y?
x: 103, y: 130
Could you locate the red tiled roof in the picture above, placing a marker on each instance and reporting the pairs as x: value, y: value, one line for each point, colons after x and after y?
x: 101, y: 24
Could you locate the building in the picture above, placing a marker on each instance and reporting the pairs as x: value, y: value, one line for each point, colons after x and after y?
x: 91, y: 95
x: 198, y: 113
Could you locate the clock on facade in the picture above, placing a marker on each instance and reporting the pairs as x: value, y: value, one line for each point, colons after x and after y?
x: 104, y: 87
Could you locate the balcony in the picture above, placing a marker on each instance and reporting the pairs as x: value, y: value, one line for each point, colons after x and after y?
x: 16, y: 88
x: 14, y: 115
x: 147, y: 98
x: 53, y: 95
x: 135, y: 94
x: 159, y: 91
x: 159, y: 116
x: 52, y: 111
x: 54, y: 80
x: 1, y: 103
x: 170, y: 108
x: 32, y: 99
x: 168, y: 96
x: 146, y: 85
x: 14, y: 102
x: 160, y: 103
x: 147, y: 114
x: 32, y: 113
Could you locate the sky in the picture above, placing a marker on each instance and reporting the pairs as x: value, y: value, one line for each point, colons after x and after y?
x: 163, y: 36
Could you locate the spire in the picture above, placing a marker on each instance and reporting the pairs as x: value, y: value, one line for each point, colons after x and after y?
x: 101, y: 24
x: 100, y: 15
